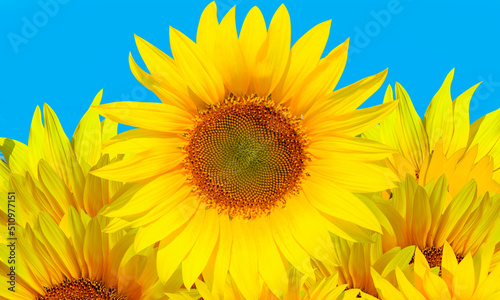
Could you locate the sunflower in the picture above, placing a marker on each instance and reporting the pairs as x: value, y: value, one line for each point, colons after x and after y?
x: 327, y: 288
x: 51, y: 173
x: 468, y: 279
x: 443, y: 142
x: 354, y: 260
x: 83, y: 263
x: 421, y: 216
x: 250, y: 158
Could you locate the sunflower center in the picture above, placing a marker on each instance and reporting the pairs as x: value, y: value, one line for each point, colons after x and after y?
x: 434, y: 256
x: 81, y: 289
x: 246, y: 156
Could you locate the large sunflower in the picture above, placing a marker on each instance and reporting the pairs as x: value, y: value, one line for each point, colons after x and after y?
x: 251, y: 158
x: 426, y: 218
x: 468, y: 279
x: 81, y: 262
x: 51, y: 173
x: 443, y: 142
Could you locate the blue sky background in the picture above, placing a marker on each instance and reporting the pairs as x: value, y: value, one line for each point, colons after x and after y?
x: 63, y: 52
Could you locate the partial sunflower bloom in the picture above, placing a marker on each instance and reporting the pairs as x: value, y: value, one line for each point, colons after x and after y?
x: 251, y: 157
x: 469, y: 279
x: 443, y: 142
x: 353, y: 262
x: 51, y: 173
x: 327, y: 288
x: 82, y: 262
x: 426, y: 218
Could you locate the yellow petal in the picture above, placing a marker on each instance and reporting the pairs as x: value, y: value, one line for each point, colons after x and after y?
x: 409, y: 130
x: 461, y: 123
x: 482, y: 260
x: 322, y: 80
x: 288, y: 246
x: 420, y: 266
x: 149, y: 195
x: 384, y: 288
x: 143, y: 165
x: 304, y: 58
x: 435, y: 287
x: 252, y: 36
x: 138, y: 140
x: 173, y: 249
x: 203, y: 77
x: 92, y: 249
x: 229, y: 56
x: 156, y: 228
x: 464, y: 280
x: 455, y: 212
x: 449, y: 265
x: 271, y: 266
x: 347, y: 230
x: 109, y: 129
x: 349, y: 98
x: 356, y: 177
x: 169, y: 86
x: 58, y: 246
x: 207, y: 29
x: 485, y: 133
x: 489, y: 287
x: 272, y: 57
x: 314, y: 237
x: 407, y: 287
x: 27, y: 190
x: 198, y: 257
x: 389, y: 261
x: 16, y: 155
x: 60, y: 155
x: 438, y: 119
x: 421, y: 220
x: 77, y: 231
x: 86, y: 140
x: 329, y: 198
x: 57, y: 193
x: 357, y: 148
x: 205, y: 293
x: 244, y: 261
x: 352, y: 123
x: 223, y: 256
x: 152, y: 116
x: 35, y: 141
x: 35, y: 260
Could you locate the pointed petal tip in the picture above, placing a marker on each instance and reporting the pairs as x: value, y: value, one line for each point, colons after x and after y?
x: 449, y: 77
x: 97, y: 98
x: 282, y: 6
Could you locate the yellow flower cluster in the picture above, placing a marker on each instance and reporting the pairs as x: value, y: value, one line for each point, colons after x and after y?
x: 254, y: 178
